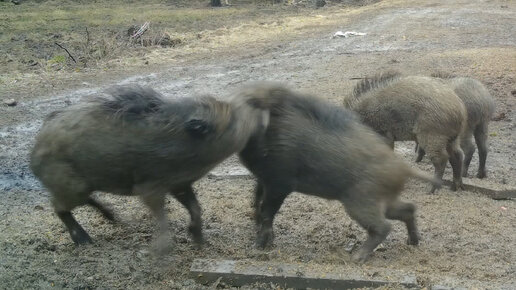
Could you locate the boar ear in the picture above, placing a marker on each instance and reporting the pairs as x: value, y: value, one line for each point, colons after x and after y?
x: 198, y: 128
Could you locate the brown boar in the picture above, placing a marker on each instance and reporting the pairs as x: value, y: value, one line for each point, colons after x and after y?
x: 417, y: 108
x: 137, y: 143
x: 318, y: 149
x: 480, y: 107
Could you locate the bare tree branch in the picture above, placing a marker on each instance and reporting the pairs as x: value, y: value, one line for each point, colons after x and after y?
x: 69, y: 54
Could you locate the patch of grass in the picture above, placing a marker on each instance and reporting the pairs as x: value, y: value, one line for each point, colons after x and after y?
x: 98, y: 31
x: 97, y: 34
x: 58, y: 59
x: 68, y: 18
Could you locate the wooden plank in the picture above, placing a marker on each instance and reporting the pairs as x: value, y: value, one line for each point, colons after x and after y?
x: 299, y: 276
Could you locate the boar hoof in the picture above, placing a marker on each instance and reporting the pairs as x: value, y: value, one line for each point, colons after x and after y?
x: 360, y: 256
x: 433, y: 189
x: 265, y: 238
x: 257, y: 218
x: 197, y: 246
x: 81, y: 238
x: 161, y: 245
x: 413, y: 241
x: 457, y: 186
x: 481, y: 174
x: 196, y: 233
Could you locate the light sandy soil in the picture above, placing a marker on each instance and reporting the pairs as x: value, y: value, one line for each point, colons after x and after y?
x: 468, y: 239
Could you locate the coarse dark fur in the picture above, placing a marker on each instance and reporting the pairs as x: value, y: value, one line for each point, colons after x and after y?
x: 480, y: 107
x: 137, y: 143
x: 318, y: 149
x: 416, y: 108
x: 368, y: 84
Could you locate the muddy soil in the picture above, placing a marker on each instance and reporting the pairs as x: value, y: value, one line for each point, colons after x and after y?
x: 468, y: 239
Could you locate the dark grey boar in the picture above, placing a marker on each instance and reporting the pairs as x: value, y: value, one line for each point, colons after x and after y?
x: 318, y: 149
x: 414, y: 108
x: 480, y: 107
x: 137, y: 143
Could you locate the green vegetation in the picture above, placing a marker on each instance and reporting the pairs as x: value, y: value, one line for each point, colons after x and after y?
x: 96, y: 32
x: 56, y: 43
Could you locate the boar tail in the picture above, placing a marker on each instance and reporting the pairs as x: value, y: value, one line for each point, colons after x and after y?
x: 425, y: 177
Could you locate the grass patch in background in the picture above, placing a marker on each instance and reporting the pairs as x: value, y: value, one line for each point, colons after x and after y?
x: 95, y: 33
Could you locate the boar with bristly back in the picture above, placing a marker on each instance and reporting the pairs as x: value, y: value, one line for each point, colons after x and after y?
x: 414, y: 108
x: 315, y: 148
x: 480, y: 107
x: 135, y: 142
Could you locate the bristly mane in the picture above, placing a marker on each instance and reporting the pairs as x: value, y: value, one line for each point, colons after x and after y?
x: 443, y: 75
x: 371, y: 83
x: 131, y: 101
x: 375, y: 82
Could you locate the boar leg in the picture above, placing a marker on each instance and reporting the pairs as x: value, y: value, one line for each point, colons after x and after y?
x: 108, y: 214
x: 420, y: 153
x: 404, y: 211
x: 456, y: 161
x: 481, y: 140
x: 273, y: 198
x: 435, y: 146
x: 439, y: 166
x: 466, y: 143
x: 368, y: 215
x: 156, y: 203
x: 257, y: 202
x: 389, y: 139
x: 187, y: 198
x: 68, y: 191
x: 78, y: 234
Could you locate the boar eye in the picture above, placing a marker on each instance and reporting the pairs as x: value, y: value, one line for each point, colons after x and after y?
x: 198, y: 128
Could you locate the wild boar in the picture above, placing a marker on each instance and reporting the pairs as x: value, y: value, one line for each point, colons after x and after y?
x: 318, y: 149
x: 417, y: 108
x: 480, y: 107
x: 136, y: 142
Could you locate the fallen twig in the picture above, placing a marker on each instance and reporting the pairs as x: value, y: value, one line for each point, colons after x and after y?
x: 141, y: 31
x: 69, y: 54
x: 87, y: 37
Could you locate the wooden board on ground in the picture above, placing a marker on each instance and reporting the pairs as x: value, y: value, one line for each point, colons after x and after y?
x: 299, y: 276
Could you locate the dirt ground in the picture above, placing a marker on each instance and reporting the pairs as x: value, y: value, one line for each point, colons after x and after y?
x: 468, y: 239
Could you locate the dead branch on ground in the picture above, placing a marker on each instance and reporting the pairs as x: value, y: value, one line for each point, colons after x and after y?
x: 69, y: 54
